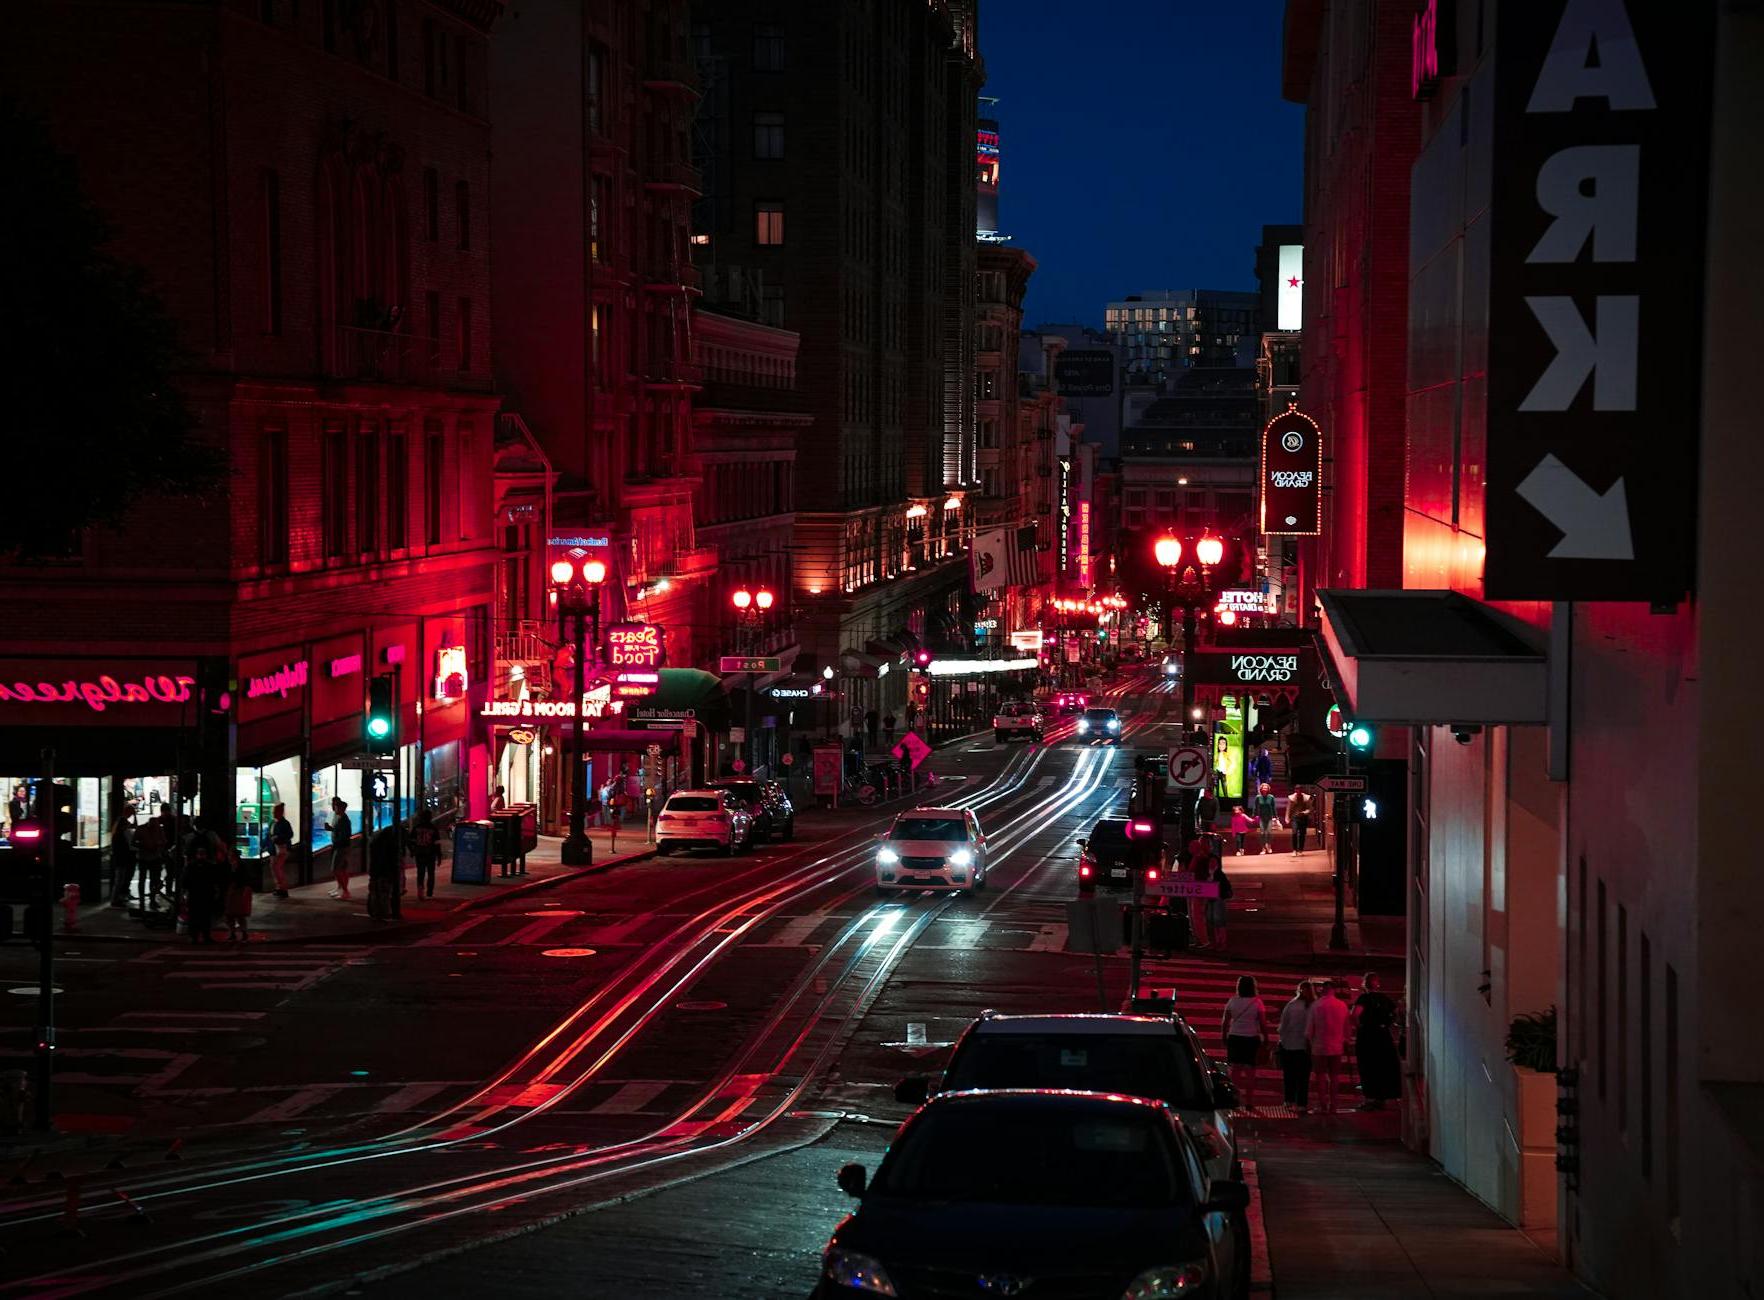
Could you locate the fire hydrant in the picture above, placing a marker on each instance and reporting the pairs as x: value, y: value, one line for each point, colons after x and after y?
x: 70, y: 907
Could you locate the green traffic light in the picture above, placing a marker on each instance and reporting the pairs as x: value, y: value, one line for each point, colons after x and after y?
x: 379, y: 728
x: 1360, y: 736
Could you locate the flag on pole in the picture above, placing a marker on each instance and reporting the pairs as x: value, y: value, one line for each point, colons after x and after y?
x: 1021, y: 557
x: 989, y: 561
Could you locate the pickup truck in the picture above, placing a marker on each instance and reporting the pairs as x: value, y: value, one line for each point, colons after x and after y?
x: 1017, y: 718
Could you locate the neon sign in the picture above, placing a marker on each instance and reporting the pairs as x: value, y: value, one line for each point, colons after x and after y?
x: 100, y: 694
x: 344, y: 666
x: 451, y: 679
x: 634, y: 645
x: 289, y: 677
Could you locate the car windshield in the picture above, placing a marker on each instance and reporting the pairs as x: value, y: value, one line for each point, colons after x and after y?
x: 1139, y: 1065
x: 1016, y: 709
x: 1035, y: 1155
x: 749, y: 790
x: 692, y: 803
x: 931, y: 828
x: 1099, y: 715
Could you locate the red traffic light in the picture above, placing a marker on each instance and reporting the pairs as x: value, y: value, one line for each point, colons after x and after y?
x: 1151, y: 873
x: 921, y: 658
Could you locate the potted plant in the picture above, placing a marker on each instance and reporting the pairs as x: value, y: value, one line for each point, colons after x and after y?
x: 1531, y: 1041
x: 1531, y: 1047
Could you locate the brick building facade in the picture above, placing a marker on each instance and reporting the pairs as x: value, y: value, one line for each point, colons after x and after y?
x: 323, y: 252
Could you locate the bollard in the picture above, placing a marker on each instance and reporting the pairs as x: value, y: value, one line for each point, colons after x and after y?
x: 70, y: 907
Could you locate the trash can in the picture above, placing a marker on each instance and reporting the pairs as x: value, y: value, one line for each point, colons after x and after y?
x: 508, y: 847
x: 471, y: 853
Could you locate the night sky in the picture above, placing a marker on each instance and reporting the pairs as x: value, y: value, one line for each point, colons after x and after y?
x: 1144, y: 144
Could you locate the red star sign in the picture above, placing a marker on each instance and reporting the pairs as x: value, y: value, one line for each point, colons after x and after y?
x: 1293, y: 281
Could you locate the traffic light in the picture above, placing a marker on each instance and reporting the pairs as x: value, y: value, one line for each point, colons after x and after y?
x: 922, y: 660
x: 1361, y: 737
x: 381, y: 726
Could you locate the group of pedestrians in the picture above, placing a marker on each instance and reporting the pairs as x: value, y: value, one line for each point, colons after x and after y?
x: 1261, y: 814
x: 1311, y: 1037
x: 386, y: 850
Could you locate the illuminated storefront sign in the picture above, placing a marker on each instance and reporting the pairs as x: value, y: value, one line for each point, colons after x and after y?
x: 1430, y: 34
x: 962, y: 667
x: 790, y: 692
x: 99, y: 693
x: 451, y: 679
x: 1246, y: 667
x: 1029, y: 640
x: 1244, y: 602
x: 289, y: 677
x: 1289, y: 293
x: 1292, y: 475
x: 598, y: 702
x: 634, y: 646
x: 344, y: 666
x: 1084, y: 543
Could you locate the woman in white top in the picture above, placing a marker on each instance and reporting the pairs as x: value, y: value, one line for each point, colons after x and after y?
x: 1244, y: 1026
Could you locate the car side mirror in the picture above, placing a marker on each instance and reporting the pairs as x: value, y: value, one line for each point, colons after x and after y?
x: 1224, y: 1197
x: 852, y: 1181
x: 1083, y: 844
x: 1224, y: 1093
x: 913, y: 1090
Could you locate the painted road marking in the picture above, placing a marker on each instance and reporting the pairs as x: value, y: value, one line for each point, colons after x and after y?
x: 632, y: 1097
x: 796, y: 933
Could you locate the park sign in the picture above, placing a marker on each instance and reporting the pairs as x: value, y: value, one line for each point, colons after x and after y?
x: 1601, y: 124
x: 1291, y: 479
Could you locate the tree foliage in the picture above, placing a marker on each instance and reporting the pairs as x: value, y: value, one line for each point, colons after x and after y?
x: 94, y: 423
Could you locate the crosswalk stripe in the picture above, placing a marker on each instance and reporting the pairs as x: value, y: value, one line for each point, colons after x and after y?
x: 1052, y: 938
x: 529, y: 934
x: 450, y: 936
x: 797, y: 932
x: 298, y: 1104
x: 631, y: 1097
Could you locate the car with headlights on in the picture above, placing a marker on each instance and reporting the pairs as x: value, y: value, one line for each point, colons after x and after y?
x: 932, y: 848
x: 1099, y: 726
x: 712, y: 819
x: 1075, y: 1195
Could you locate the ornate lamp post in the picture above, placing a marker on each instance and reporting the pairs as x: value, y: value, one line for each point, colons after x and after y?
x: 1186, y: 585
x: 751, y: 611
x: 576, y: 584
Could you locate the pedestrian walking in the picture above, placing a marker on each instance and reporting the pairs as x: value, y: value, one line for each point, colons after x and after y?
x: 236, y: 902
x: 124, y: 856
x: 1206, y: 810
x: 1266, y: 819
x: 1240, y: 827
x: 1298, y: 816
x: 888, y: 728
x: 425, y: 847
x: 1201, y: 858
x: 615, y: 814
x: 281, y: 847
x: 385, y: 869
x: 1261, y: 768
x: 1244, y: 1027
x: 1375, y: 1025
x: 205, y: 865
x: 150, y: 846
x: 1217, y: 906
x: 1295, y: 1047
x: 342, y: 831
x: 1327, y: 1035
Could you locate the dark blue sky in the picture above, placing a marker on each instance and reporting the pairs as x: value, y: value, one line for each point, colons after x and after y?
x: 1144, y: 144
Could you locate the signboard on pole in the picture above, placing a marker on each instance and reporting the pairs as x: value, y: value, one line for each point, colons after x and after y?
x: 1600, y: 138
x: 1342, y: 784
x: 829, y: 766
x: 1181, y: 884
x: 1188, y: 767
x: 748, y: 664
x: 1291, y: 482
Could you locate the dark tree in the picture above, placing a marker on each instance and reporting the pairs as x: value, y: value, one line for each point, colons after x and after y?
x: 93, y: 422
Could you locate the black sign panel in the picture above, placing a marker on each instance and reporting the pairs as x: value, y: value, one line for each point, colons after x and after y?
x: 1292, y: 475
x: 1088, y: 372
x: 1595, y: 298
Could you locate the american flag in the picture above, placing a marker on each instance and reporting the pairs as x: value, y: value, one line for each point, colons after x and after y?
x: 1004, y: 557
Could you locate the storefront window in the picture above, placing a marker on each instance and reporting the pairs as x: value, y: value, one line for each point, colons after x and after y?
x: 257, y: 792
x: 91, y: 818
x: 322, y: 790
x: 441, y: 788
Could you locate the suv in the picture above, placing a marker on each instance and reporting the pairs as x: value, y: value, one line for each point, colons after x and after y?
x: 932, y: 848
x: 710, y: 818
x: 1099, y: 724
x: 1135, y: 1055
x: 1172, y: 665
x: 1016, y: 718
x: 1103, y: 857
x: 773, y: 813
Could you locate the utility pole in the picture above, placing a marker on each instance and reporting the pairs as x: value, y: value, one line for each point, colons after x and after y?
x: 49, y: 832
x: 1343, y: 858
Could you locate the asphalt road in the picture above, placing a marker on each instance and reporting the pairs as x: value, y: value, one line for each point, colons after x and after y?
x: 637, y: 1082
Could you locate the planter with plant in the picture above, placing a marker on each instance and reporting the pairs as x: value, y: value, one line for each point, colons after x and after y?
x: 1531, y: 1047
x: 1531, y: 1041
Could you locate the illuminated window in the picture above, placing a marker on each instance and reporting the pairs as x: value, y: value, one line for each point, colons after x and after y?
x: 768, y: 135
x: 768, y: 224
x: 768, y: 47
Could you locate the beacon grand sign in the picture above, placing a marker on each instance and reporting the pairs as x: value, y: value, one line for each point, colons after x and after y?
x: 1601, y: 131
x: 1291, y: 486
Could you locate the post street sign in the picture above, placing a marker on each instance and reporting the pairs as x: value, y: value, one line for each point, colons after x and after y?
x: 1342, y: 784
x: 749, y: 664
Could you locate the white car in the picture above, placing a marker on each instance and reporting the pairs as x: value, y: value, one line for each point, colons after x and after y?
x: 1017, y: 718
x: 932, y: 848
x: 713, y: 819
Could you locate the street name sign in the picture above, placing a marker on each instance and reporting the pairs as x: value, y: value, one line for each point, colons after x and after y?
x: 367, y: 762
x: 1181, y: 885
x: 748, y: 664
x: 1342, y: 784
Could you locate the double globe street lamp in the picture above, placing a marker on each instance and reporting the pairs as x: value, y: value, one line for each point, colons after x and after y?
x: 751, y: 609
x: 1186, y: 585
x: 575, y: 584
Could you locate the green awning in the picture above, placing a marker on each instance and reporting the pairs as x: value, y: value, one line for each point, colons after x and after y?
x: 686, y: 688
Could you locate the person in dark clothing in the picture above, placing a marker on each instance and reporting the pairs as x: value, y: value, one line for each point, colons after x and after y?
x: 123, y: 857
x: 385, y: 866
x: 888, y: 728
x: 18, y: 808
x: 873, y: 725
x: 281, y: 847
x: 425, y: 847
x: 1374, y: 1022
x: 1298, y: 816
x: 205, y: 865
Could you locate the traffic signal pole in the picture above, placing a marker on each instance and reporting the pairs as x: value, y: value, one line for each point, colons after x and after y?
x: 1343, y: 857
x: 45, y: 1045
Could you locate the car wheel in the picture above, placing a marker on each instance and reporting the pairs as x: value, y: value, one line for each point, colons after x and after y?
x: 789, y: 831
x: 979, y: 882
x: 729, y: 846
x: 663, y: 850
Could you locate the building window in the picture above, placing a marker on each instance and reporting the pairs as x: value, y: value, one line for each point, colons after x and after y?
x: 434, y: 463
x: 768, y: 223
x: 431, y: 203
x: 465, y: 334
x: 462, y: 212
x: 768, y: 47
x: 437, y: 56
x: 468, y: 483
x: 768, y: 135
x: 596, y: 88
x: 397, y: 491
x: 336, y: 488
x: 600, y: 216
x: 272, y: 252
x: 272, y: 488
x: 367, y: 490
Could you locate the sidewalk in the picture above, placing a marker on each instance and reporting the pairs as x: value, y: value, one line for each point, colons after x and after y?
x: 309, y: 913
x: 1352, y: 1214
x: 1283, y: 909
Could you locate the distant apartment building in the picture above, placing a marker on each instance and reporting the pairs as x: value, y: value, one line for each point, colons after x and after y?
x: 1189, y: 460
x: 1161, y: 332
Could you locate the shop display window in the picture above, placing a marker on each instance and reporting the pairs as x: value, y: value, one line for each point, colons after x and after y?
x: 441, y: 787
x: 257, y: 791
x: 322, y: 789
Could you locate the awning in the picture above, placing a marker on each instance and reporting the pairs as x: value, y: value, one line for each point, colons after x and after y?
x: 1432, y: 658
x: 684, y: 688
x: 610, y: 740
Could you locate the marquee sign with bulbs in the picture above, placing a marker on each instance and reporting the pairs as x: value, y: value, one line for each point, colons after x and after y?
x: 1291, y: 478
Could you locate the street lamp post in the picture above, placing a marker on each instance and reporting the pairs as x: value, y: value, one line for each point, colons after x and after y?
x: 1187, y: 586
x: 751, y: 611
x: 576, y: 584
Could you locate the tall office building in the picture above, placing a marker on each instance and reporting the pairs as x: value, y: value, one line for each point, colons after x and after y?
x: 1167, y: 330
x: 837, y: 148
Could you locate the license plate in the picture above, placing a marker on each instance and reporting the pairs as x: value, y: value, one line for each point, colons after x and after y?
x: 1118, y: 871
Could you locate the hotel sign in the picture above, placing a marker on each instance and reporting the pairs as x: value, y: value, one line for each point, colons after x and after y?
x: 1601, y: 124
x: 1291, y: 481
x: 1247, y: 667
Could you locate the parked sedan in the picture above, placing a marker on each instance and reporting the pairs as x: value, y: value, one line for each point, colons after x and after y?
x: 713, y: 819
x: 1069, y: 1194
x: 774, y: 816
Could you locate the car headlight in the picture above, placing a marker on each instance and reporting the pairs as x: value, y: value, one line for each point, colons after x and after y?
x: 887, y: 857
x: 1166, y: 1282
x: 961, y: 858
x: 1083, y: 725
x: 861, y: 1272
x: 1114, y: 724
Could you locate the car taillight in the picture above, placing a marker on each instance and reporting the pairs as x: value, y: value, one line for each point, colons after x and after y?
x: 1083, y: 870
x: 1151, y: 873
